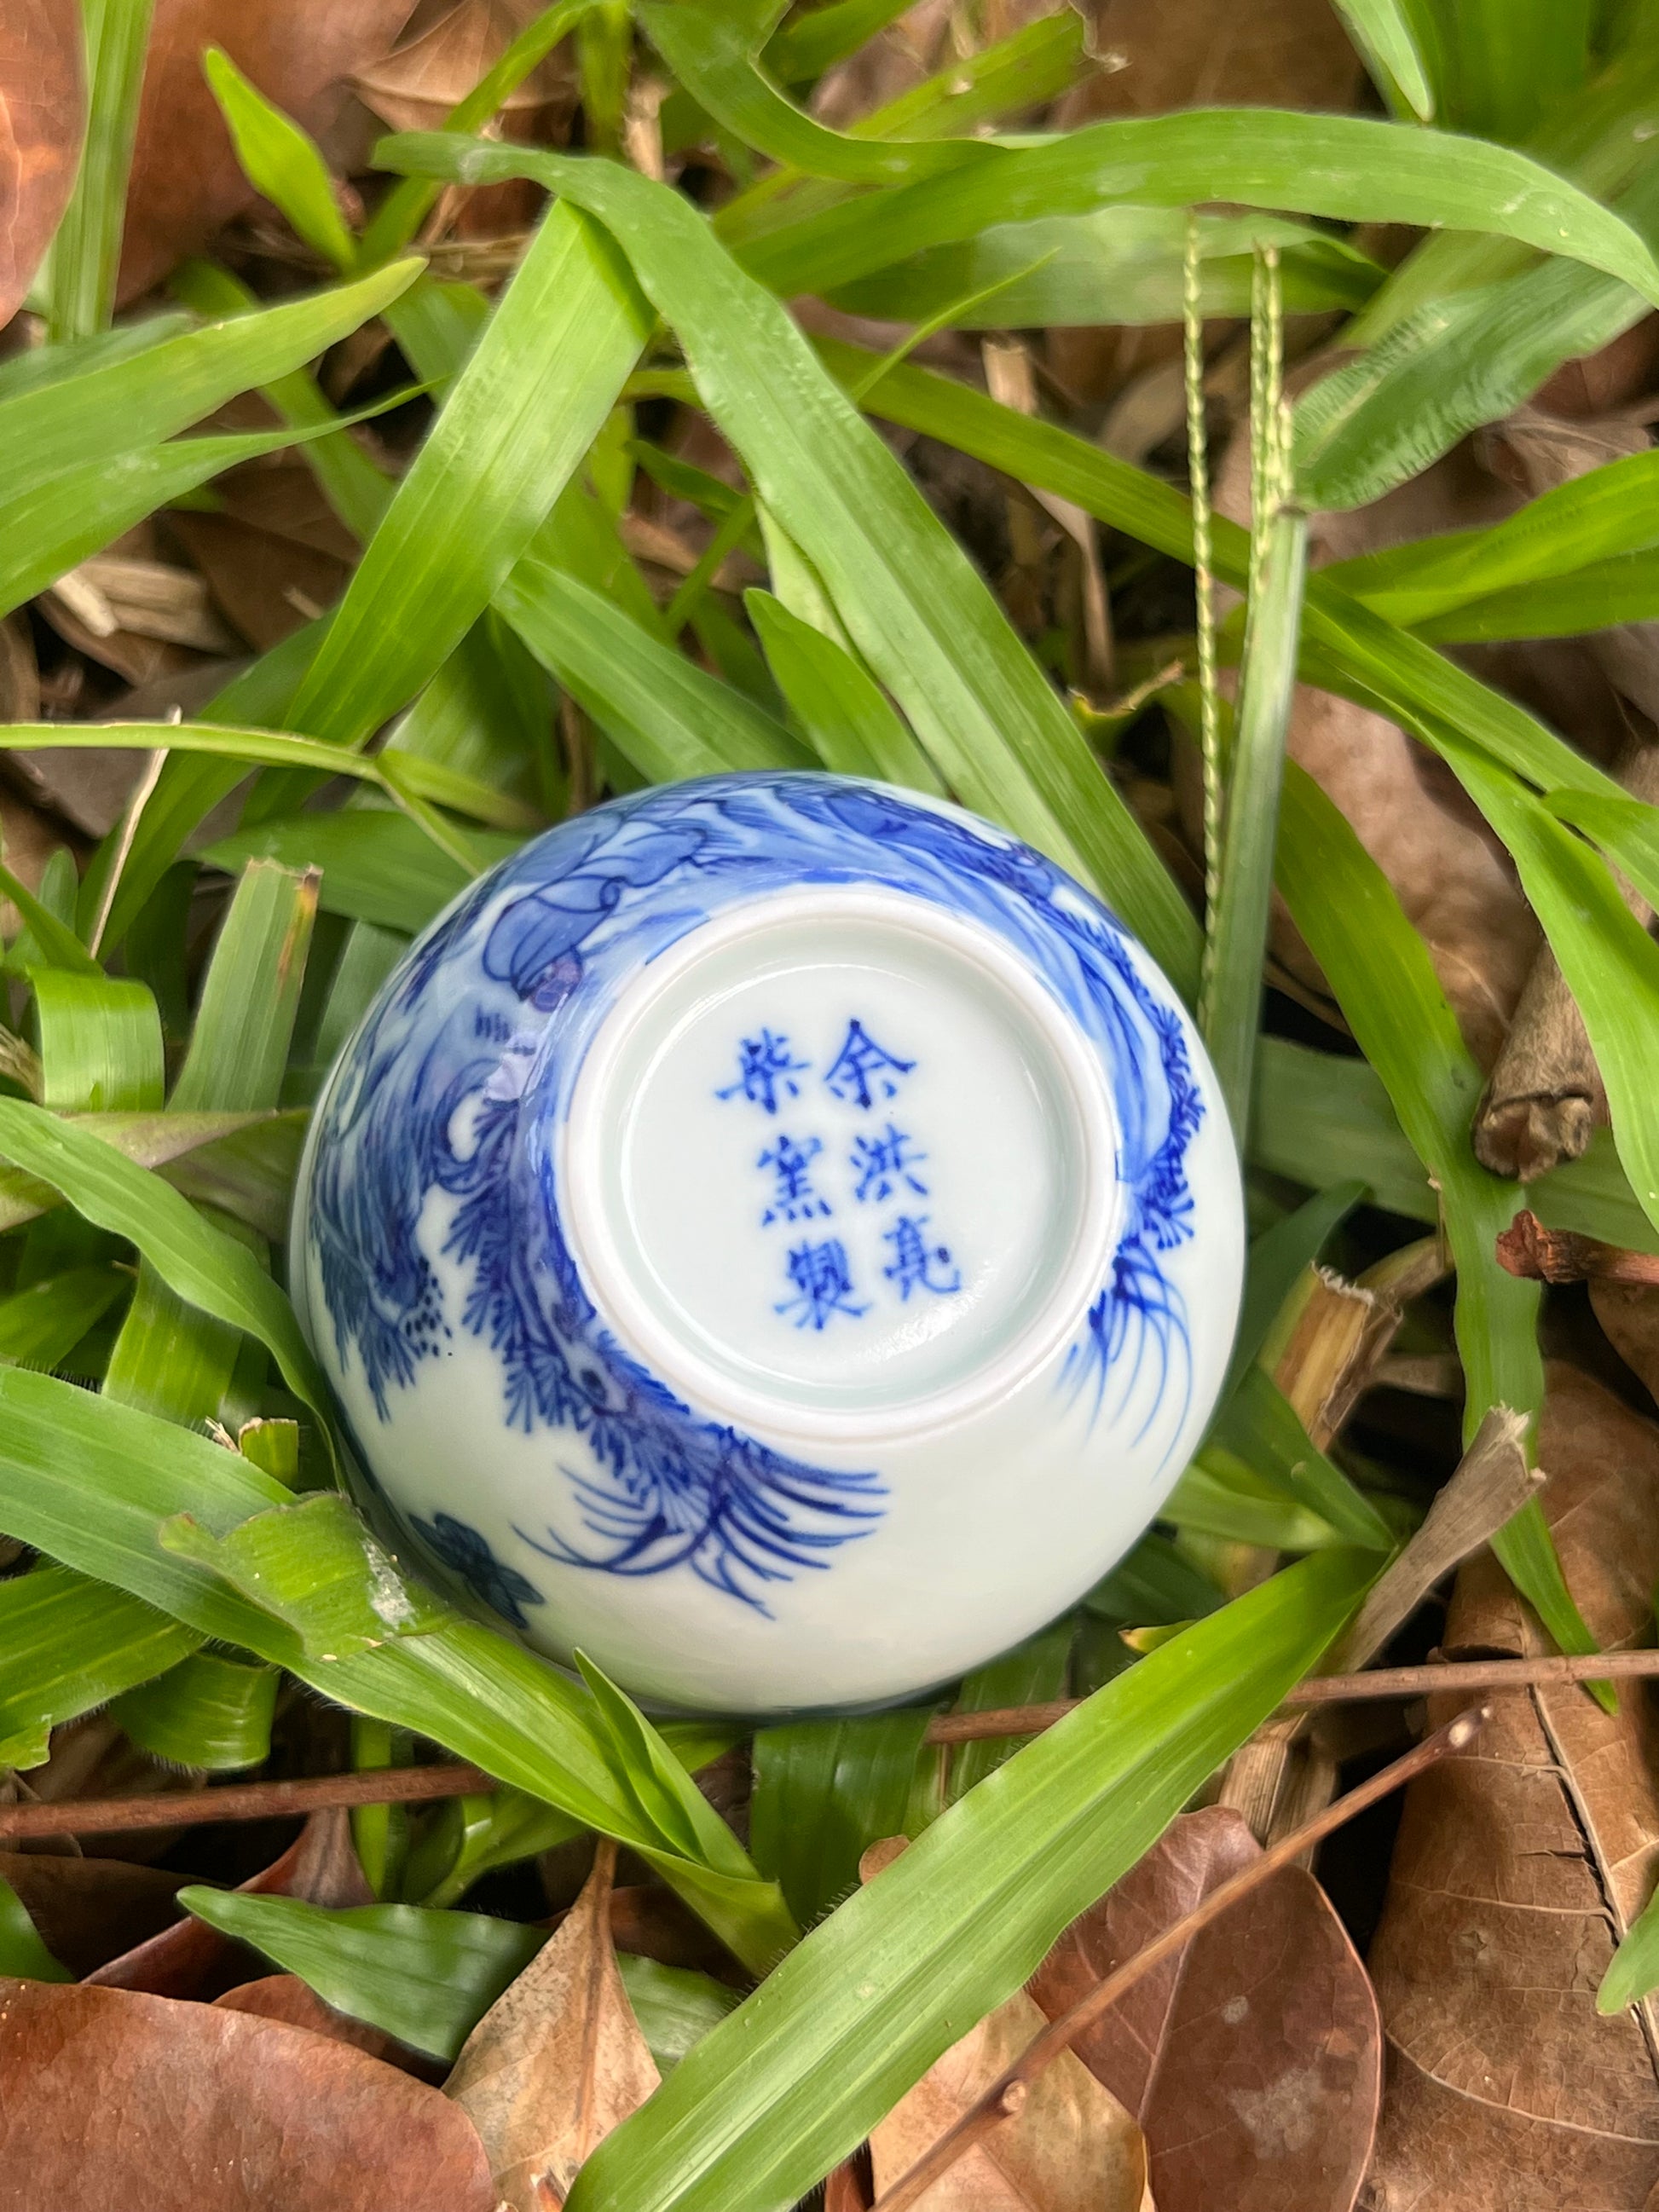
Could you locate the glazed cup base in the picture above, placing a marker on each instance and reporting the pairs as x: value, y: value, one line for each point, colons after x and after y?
x: 838, y: 1163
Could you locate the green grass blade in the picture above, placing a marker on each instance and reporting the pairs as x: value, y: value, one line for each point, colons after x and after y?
x: 1345, y: 648
x: 200, y: 1263
x: 1260, y: 1425
x: 1610, y: 962
x: 500, y: 454
x: 1599, y: 136
x: 711, y: 46
x: 37, y: 367
x: 668, y: 717
x: 1382, y: 29
x: 281, y: 160
x: 355, y: 487
x: 100, y: 1043
x: 825, y: 1791
x: 1381, y: 972
x: 1155, y: 1586
x: 211, y: 1713
x: 768, y: 2102
x: 1327, y: 1122
x: 428, y: 1976
x: 251, y: 748
x: 92, y: 1484
x: 125, y: 404
x: 68, y: 1645
x: 171, y: 1359
x: 487, y: 714
x: 152, y: 1140
x: 87, y: 251
x: 21, y: 1951
x: 187, y: 789
x: 377, y: 866
x: 1119, y: 266
x: 837, y: 706
x: 1600, y: 596
x: 1610, y: 511
x: 1238, y: 930
x: 425, y: 1976
x: 1633, y: 1971
x: 1277, y: 1260
x: 1031, y: 1675
x: 921, y: 617
x: 1222, y: 1496
x: 1456, y: 364
x: 1010, y: 76
x: 1353, y: 168
x: 251, y: 995
x: 1626, y: 829
x: 40, y: 1326
x: 56, y: 943
x: 812, y: 43
x: 59, y: 523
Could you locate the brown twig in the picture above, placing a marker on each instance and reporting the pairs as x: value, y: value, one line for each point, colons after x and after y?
x: 1561, y: 1255
x: 394, y: 1785
x: 245, y: 1801
x: 1454, y: 1678
x: 1009, y: 2092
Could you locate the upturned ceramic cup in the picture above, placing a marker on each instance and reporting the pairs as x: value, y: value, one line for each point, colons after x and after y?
x: 776, y: 1234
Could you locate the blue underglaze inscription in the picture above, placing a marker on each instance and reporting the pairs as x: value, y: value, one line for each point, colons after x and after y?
x: 876, y: 1168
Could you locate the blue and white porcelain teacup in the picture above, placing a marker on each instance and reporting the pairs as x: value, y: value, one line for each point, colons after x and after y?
x: 776, y: 1234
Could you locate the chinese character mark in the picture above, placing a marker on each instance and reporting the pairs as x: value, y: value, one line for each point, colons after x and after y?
x: 918, y: 1265
x: 882, y: 1163
x: 818, y: 1275
x: 766, y: 1069
x: 862, y: 1069
x: 793, y: 1198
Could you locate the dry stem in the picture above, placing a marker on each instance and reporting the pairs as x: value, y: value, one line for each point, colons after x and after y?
x: 265, y: 1801
x: 1561, y: 1255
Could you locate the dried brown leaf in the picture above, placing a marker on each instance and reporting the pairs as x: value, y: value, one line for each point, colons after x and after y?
x: 558, y: 2061
x: 414, y: 87
x: 1070, y: 2148
x: 40, y: 122
x: 28, y: 841
x: 1629, y: 1313
x: 149, y: 599
x: 268, y: 583
x: 1490, y: 1484
x: 191, y: 1960
x: 186, y: 180
x: 90, y: 1910
x: 1519, y: 1865
x: 1253, y: 2059
x: 113, y: 2098
x: 286, y: 1997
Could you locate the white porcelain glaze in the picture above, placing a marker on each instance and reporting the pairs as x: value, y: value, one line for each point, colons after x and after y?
x: 777, y: 1235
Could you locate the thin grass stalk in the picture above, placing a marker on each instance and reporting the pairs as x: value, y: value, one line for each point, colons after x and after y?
x: 1198, y: 478
x: 86, y: 252
x: 1236, y: 944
